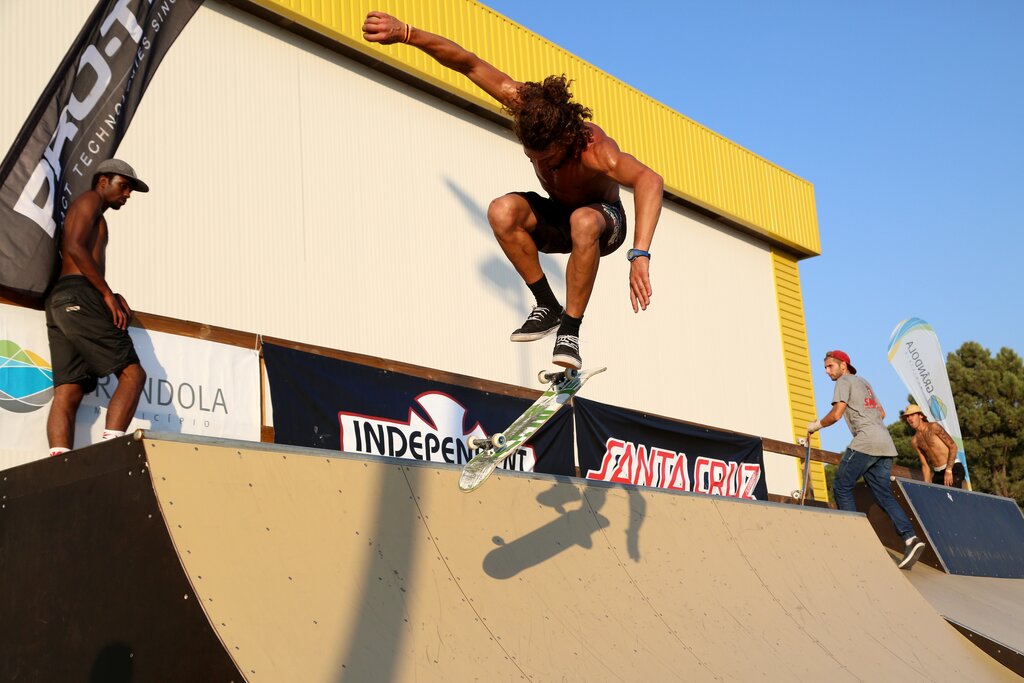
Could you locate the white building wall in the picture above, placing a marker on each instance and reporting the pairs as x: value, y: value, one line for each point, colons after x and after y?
x: 298, y: 194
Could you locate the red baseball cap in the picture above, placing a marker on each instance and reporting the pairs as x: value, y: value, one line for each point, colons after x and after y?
x: 841, y: 355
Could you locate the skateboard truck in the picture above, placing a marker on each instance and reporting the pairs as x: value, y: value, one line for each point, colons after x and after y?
x: 555, y: 376
x: 479, y: 443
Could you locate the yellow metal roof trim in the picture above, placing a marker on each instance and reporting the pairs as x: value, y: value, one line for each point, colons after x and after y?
x: 698, y: 165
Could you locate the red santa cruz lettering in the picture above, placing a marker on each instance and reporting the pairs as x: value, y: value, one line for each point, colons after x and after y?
x: 640, y: 465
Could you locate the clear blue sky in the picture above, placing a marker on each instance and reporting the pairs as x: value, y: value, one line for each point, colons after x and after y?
x: 908, y: 118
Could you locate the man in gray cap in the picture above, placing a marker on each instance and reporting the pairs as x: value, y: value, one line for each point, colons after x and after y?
x: 87, y: 323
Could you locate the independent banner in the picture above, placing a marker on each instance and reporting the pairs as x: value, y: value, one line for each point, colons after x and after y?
x: 329, y: 403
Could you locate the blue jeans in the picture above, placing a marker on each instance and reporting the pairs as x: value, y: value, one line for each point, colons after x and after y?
x: 875, y: 471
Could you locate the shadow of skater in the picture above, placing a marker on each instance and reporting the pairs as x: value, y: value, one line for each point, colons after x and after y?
x: 113, y: 664
x: 637, y: 513
x: 157, y: 408
x: 499, y: 271
x: 571, y: 528
x: 501, y: 276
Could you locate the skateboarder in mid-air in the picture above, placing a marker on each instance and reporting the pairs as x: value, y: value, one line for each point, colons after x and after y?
x: 580, y: 168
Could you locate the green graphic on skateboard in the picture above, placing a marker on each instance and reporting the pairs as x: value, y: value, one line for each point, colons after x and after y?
x: 492, y: 450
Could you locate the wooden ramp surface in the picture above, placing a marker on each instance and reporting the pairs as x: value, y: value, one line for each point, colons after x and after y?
x: 990, y: 609
x: 320, y: 568
x: 314, y: 567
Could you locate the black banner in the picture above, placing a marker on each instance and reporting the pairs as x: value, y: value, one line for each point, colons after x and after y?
x: 78, y: 121
x: 328, y: 403
x: 620, y: 445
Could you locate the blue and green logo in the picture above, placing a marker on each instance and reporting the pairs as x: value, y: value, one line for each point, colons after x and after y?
x: 26, y: 379
x: 938, y: 408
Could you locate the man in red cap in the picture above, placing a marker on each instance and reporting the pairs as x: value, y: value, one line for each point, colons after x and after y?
x: 871, y: 452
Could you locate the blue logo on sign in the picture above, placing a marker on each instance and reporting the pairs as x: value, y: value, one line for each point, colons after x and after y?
x: 26, y: 379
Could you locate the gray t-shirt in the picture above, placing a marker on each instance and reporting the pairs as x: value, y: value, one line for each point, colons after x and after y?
x: 863, y: 417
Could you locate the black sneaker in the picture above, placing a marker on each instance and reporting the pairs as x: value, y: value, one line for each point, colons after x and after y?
x: 541, y: 322
x: 567, y: 352
x: 913, y: 550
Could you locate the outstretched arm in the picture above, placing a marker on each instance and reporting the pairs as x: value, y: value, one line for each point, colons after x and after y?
x: 648, y: 188
x: 834, y: 415
x: 385, y: 29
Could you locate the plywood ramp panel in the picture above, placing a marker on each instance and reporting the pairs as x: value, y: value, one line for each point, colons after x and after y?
x: 323, y: 568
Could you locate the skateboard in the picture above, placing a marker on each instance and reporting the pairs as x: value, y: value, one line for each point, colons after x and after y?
x: 801, y: 493
x: 492, y: 450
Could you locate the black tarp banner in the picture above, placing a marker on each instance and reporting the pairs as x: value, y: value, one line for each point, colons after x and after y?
x: 324, y: 402
x: 78, y: 121
x: 626, y: 446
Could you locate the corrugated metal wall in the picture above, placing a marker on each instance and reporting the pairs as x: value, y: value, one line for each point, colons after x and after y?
x: 698, y: 164
x: 797, y: 358
x: 300, y: 195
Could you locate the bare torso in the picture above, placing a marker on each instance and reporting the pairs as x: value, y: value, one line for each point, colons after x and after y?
x: 934, y: 443
x: 577, y: 182
x: 93, y: 238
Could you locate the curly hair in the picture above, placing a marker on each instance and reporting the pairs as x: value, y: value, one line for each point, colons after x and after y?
x: 546, y: 114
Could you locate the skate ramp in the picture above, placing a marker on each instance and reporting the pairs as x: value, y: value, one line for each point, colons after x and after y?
x: 317, y: 567
x: 989, y: 611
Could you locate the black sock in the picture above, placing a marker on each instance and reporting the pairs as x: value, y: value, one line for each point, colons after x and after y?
x: 570, y: 325
x: 543, y: 294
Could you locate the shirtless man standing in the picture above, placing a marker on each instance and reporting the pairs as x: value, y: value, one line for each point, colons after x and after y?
x: 580, y: 168
x: 936, y: 449
x: 87, y: 323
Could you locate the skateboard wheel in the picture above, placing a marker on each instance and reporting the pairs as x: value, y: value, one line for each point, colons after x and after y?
x: 473, y: 442
x: 498, y: 440
x: 571, y: 373
x: 544, y: 377
x: 796, y: 494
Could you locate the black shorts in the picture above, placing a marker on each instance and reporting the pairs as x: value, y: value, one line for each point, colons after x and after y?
x: 84, y: 342
x: 958, y: 476
x: 553, y: 234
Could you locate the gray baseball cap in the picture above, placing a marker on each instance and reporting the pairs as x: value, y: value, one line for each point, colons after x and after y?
x: 121, y: 168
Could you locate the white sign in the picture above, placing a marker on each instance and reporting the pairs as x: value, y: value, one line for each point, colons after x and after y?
x: 915, y: 354
x: 193, y: 386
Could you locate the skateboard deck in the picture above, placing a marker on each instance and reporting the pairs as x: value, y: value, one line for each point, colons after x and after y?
x: 801, y: 493
x: 562, y: 387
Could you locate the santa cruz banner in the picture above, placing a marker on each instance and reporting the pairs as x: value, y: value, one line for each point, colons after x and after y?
x: 324, y: 402
x: 629, y: 447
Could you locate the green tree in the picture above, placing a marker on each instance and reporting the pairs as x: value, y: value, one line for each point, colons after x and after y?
x: 989, y: 395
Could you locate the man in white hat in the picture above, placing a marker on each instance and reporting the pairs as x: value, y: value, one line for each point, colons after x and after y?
x: 86, y: 321
x: 870, y: 454
x: 936, y: 449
